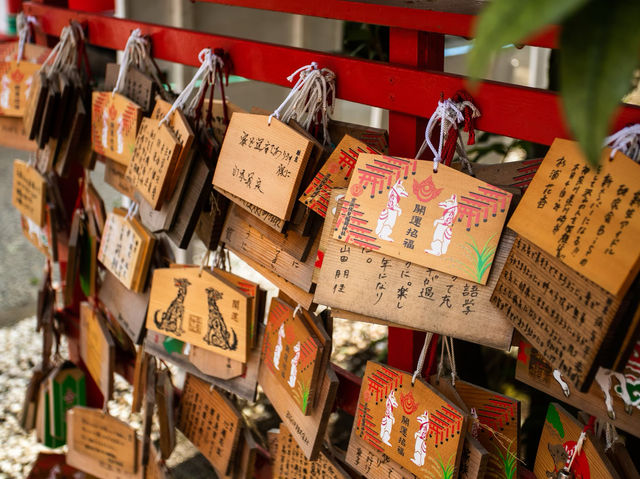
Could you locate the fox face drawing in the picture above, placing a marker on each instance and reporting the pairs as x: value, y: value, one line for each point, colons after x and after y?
x: 443, y: 227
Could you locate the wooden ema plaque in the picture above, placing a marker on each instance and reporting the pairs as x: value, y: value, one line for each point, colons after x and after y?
x: 586, y: 218
x: 137, y: 86
x: 372, y: 463
x: 213, y: 364
x: 497, y: 415
x: 414, y: 425
x: 451, y: 222
x: 378, y: 286
x: 124, y: 250
x: 376, y: 138
x: 97, y: 349
x: 563, y: 314
x: 154, y: 159
x: 35, y: 104
x: 292, y: 353
x: 262, y: 163
x: 16, y: 79
x: 557, y: 446
x: 13, y: 135
x: 39, y: 237
x: 182, y: 131
x: 532, y: 369
x: 308, y: 431
x: 271, y: 220
x: 200, y: 308
x: 239, y: 235
x: 100, y: 444
x: 335, y: 173
x: 115, y: 176
x: 289, y: 461
x: 217, y: 114
x: 211, y: 422
x: 28, y: 194
x: 114, y: 124
x: 512, y: 174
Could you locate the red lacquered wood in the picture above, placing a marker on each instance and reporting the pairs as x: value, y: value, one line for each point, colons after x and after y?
x: 519, y: 112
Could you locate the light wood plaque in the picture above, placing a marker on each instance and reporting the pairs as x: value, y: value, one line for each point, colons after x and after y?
x: 29, y: 192
x: 97, y: 349
x: 16, y: 79
x: 262, y: 163
x: 586, y: 217
x: 448, y: 221
x: 200, y: 308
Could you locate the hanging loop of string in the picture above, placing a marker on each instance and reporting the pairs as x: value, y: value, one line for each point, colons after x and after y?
x: 626, y: 141
x: 210, y: 64
x: 24, y: 23
x: 135, y: 50
x: 311, y: 100
x: 421, y: 359
x: 447, y: 345
x: 449, y: 116
x: 133, y: 210
x: 65, y: 52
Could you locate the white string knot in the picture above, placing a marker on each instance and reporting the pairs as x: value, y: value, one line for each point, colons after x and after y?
x: 626, y: 141
x: 421, y: 359
x: 449, y: 114
x: 206, y: 74
x: 310, y: 100
x: 65, y: 51
x: 24, y: 32
x: 136, y: 52
x: 133, y: 210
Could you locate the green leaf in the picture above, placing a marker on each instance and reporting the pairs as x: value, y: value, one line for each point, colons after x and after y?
x: 599, y: 49
x: 508, y: 21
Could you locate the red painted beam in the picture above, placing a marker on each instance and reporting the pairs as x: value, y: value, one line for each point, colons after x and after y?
x: 348, y: 390
x: 393, y: 16
x: 514, y: 111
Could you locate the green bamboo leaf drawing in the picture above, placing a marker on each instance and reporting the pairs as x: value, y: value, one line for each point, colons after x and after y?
x: 481, y: 259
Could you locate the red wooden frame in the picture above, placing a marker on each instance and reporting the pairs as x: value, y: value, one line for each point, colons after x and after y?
x: 409, y: 87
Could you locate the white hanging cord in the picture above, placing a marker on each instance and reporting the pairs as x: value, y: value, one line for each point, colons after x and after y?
x: 134, y: 52
x: 297, y: 310
x: 611, y: 436
x: 557, y: 375
x: 421, y: 359
x: 452, y: 361
x: 133, y: 210
x: 627, y: 141
x: 309, y: 98
x: 64, y: 53
x: 205, y: 261
x: 578, y: 449
x: 206, y: 74
x: 24, y: 32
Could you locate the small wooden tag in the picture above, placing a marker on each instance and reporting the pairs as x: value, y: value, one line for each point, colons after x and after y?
x: 290, y: 461
x: 293, y: 354
x: 51, y: 105
x: 414, y: 425
x: 217, y: 113
x: 557, y: 446
x: 335, y: 173
x: 166, y: 420
x: 427, y: 234
x: 101, y: 444
x: 211, y: 422
x: 13, y: 134
x: 200, y: 308
x: 271, y: 220
x: 398, y: 292
x: 35, y: 104
x: 262, y: 163
x: 137, y: 86
x: 74, y: 144
x: 115, y: 175
x: 213, y: 364
x: 67, y: 388
x: 15, y: 85
x: 156, y: 152
x: 376, y: 138
x: 29, y: 192
x: 585, y: 217
x: 114, y: 124
x: 564, y: 315
x: 97, y: 349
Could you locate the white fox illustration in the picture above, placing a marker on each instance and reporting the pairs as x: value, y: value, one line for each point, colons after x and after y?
x: 278, y: 349
x: 105, y: 128
x: 5, y: 91
x: 388, y: 216
x: 120, y: 138
x: 443, y: 232
x: 420, y: 449
x: 294, y: 365
x: 388, y: 419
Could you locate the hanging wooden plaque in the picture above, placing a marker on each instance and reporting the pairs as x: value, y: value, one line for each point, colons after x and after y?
x: 115, y: 176
x: 51, y: 104
x: 213, y: 364
x: 376, y: 138
x: 585, y: 217
x: 335, y: 173
x: 271, y: 220
x: 35, y: 104
x: 154, y: 159
x: 293, y: 354
x: 200, y: 308
x: 128, y: 307
x: 29, y: 192
x: 137, y: 86
x: 379, y: 286
x: 451, y: 222
x: 100, y: 444
x: 31, y: 52
x: 16, y: 79
x: 211, y: 221
x: 373, y: 463
x: 114, y: 124
x: 211, y: 422
x: 74, y: 144
x: 38, y: 236
x: 97, y: 349
x: 217, y: 113
x: 428, y: 432
x: 557, y: 447
x: 262, y: 163
x: 290, y: 461
x: 532, y: 369
x: 240, y: 235
x: 164, y: 401
x: 563, y: 314
x: 13, y: 135
x: 513, y: 174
